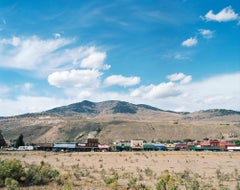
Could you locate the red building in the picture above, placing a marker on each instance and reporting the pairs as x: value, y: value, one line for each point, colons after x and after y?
x: 210, y: 143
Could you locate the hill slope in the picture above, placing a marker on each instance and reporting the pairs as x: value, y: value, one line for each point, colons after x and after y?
x: 112, y: 120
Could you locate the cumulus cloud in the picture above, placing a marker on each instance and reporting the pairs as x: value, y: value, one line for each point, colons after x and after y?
x: 94, y: 60
x: 121, y: 80
x: 75, y: 78
x: 190, y: 42
x: 184, y: 79
x: 162, y: 90
x: 206, y: 33
x: 215, y: 92
x: 225, y: 15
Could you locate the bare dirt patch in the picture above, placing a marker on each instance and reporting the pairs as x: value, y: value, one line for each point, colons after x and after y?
x: 132, y: 170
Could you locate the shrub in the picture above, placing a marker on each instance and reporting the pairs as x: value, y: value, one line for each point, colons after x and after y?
x: 11, y: 184
x: 166, y: 182
x: 132, y: 182
x: 67, y: 187
x: 148, y: 172
x: 161, y: 185
x: 111, y: 181
x: 108, y: 180
x: 11, y: 169
x: 40, y: 175
x: 12, y: 173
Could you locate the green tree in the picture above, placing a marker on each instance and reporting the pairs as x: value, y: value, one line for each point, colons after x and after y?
x: 20, y: 141
x: 2, y: 141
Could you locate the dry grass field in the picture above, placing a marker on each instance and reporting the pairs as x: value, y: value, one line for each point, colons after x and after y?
x: 137, y: 170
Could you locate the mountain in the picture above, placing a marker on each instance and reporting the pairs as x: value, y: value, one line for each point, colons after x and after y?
x: 86, y: 107
x: 113, y: 120
x: 91, y: 108
x: 212, y: 114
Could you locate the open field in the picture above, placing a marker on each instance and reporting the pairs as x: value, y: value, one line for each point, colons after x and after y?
x: 137, y: 170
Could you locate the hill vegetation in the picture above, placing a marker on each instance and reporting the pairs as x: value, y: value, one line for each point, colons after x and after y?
x: 124, y: 107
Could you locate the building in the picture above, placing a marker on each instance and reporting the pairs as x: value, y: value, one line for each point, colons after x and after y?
x: 136, y: 144
x: 210, y: 143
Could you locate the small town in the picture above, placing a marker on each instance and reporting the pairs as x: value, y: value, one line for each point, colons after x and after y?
x: 93, y: 145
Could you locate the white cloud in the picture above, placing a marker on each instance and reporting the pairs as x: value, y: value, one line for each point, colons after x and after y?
x: 225, y: 15
x: 14, y: 41
x: 57, y: 35
x: 180, y: 56
x: 121, y: 80
x: 184, y: 79
x: 29, y: 104
x: 75, y: 79
x: 4, y: 90
x: 162, y: 90
x: 215, y: 92
x: 28, y: 53
x: 46, y: 56
x: 216, y: 99
x: 94, y: 60
x: 190, y: 42
x: 206, y: 33
x: 27, y: 86
x: 176, y: 76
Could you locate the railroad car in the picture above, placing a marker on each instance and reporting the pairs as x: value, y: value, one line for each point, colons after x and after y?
x: 160, y: 147
x: 148, y: 146
x: 122, y: 146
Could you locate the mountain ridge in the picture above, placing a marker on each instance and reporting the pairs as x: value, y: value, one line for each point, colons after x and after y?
x: 87, y: 107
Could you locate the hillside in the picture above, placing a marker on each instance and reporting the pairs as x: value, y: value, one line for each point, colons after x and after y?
x: 113, y: 120
x: 91, y: 108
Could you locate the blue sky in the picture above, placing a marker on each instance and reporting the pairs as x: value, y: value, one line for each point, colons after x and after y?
x: 174, y: 55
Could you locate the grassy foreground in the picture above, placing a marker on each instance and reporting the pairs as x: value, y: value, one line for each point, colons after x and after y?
x: 127, y: 170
